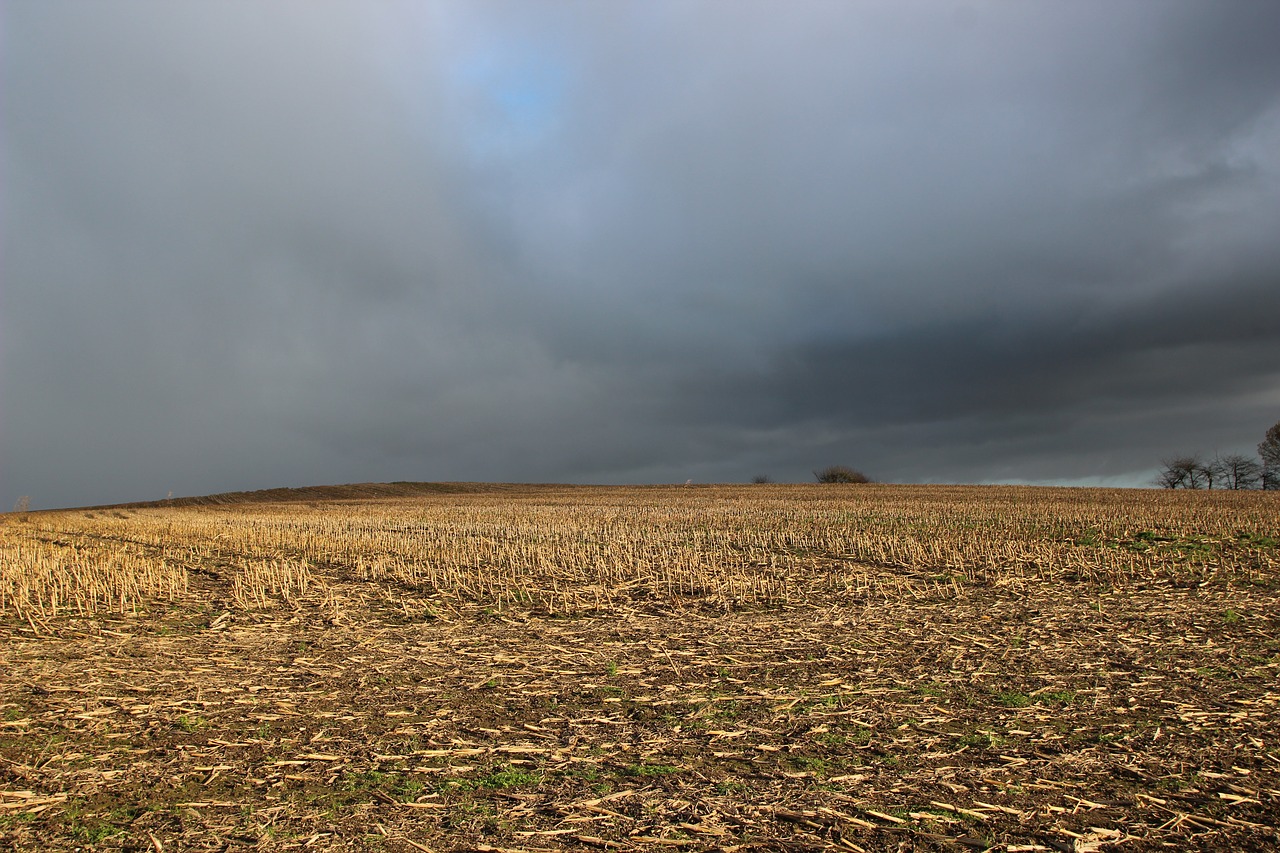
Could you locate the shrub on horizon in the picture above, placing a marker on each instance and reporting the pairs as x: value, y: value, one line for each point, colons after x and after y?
x: 841, y: 474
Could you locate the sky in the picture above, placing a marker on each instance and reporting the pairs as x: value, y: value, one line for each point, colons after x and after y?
x: 255, y: 243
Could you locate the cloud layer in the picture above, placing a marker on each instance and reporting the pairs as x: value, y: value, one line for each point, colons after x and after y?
x: 257, y: 244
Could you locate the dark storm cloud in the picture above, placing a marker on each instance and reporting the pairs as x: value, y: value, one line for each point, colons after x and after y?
x: 275, y: 243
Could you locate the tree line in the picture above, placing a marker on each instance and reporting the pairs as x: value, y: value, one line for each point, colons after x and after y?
x: 1234, y: 471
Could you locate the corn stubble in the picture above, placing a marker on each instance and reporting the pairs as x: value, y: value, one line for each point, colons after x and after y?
x: 572, y: 551
x: 863, y: 668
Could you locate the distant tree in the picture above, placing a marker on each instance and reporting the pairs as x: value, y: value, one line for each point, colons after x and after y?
x: 1171, y: 475
x: 1212, y: 472
x: 1269, y: 450
x: 841, y: 474
x: 1183, y: 472
x: 761, y: 479
x: 1238, y: 472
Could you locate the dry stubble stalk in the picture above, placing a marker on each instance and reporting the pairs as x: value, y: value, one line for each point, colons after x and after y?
x: 597, y: 548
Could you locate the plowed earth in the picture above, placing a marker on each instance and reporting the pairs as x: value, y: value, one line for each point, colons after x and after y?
x: 1050, y: 717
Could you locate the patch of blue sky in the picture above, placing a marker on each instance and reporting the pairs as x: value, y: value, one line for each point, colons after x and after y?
x: 511, y: 97
x: 467, y: 82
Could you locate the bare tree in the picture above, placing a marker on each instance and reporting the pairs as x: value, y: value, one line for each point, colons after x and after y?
x: 1172, y: 474
x: 1237, y: 471
x: 1184, y: 472
x: 1212, y: 473
x: 1269, y: 450
x: 1234, y: 471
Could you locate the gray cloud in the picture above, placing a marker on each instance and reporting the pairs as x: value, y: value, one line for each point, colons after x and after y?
x: 257, y: 244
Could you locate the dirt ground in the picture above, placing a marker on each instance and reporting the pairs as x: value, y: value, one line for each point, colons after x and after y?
x: 1041, y: 719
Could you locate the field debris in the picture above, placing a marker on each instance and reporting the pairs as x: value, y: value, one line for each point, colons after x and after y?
x: 867, y: 668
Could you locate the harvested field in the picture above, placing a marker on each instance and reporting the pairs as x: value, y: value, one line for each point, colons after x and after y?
x: 709, y: 668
